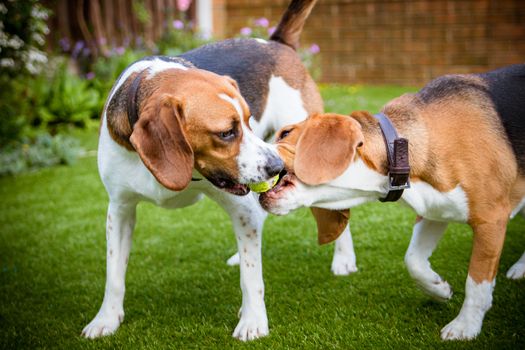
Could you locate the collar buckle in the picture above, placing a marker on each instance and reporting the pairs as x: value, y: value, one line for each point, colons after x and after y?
x: 397, y: 157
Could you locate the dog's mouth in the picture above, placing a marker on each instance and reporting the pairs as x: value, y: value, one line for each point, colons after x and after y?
x: 230, y: 186
x: 285, y: 182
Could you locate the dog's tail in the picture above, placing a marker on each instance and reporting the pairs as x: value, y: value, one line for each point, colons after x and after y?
x: 291, y: 25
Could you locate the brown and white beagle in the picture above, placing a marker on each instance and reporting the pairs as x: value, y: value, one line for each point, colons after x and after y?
x: 176, y: 128
x: 466, y: 138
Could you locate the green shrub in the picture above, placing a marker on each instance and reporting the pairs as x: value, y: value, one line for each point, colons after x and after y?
x: 67, y: 100
x: 23, y: 27
x: 41, y: 151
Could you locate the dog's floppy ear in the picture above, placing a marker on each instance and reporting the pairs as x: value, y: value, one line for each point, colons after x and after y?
x: 326, y: 147
x: 330, y: 223
x: 159, y: 139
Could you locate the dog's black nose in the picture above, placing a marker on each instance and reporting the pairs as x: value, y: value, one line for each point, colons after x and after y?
x: 274, y: 166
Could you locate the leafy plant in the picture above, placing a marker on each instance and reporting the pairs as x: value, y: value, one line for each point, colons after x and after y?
x: 68, y: 100
x: 42, y: 151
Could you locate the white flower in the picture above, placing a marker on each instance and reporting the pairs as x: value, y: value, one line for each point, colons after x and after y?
x: 7, y: 62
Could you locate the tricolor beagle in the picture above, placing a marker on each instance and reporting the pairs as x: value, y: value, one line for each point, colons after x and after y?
x: 467, y: 155
x: 172, y: 131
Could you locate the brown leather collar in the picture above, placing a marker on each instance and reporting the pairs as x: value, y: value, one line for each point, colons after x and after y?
x: 397, y: 157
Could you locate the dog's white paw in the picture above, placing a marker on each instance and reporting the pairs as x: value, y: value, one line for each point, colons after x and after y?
x: 439, y: 290
x: 251, y: 327
x: 343, y: 264
x: 234, y: 260
x: 102, y: 325
x: 461, y: 328
x: 517, y: 271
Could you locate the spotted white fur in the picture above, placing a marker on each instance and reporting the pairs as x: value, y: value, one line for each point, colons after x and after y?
x: 128, y: 181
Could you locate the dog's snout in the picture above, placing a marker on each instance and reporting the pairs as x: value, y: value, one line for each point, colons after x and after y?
x: 274, y: 166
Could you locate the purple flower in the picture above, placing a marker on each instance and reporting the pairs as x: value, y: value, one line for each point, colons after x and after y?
x: 271, y: 30
x: 120, y: 50
x: 86, y: 51
x: 102, y: 41
x: 178, y: 24
x: 314, y: 49
x: 246, y: 31
x: 76, y: 50
x: 64, y: 44
x: 90, y: 75
x: 262, y: 22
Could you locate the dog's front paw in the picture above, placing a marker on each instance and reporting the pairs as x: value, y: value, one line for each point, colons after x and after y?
x: 234, y: 260
x: 251, y: 327
x: 517, y: 271
x: 438, y: 289
x: 461, y: 328
x: 343, y: 264
x: 102, y: 325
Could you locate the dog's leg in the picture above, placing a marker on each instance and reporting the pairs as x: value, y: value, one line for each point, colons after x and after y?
x: 234, y: 260
x: 425, y: 237
x: 248, y: 218
x: 343, y: 262
x: 517, y: 271
x: 486, y: 251
x: 119, y: 228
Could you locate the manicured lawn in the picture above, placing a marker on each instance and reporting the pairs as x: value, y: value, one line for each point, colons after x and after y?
x: 181, y: 294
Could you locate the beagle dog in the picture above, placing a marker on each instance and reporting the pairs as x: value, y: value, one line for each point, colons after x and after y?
x: 466, y: 137
x: 176, y: 128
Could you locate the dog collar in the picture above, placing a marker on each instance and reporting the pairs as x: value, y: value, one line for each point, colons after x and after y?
x: 397, y: 158
x: 133, y: 114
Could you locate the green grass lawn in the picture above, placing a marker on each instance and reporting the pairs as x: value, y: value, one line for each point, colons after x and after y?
x: 181, y: 294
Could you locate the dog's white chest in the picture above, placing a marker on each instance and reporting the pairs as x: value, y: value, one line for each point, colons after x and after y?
x: 124, y: 175
x: 434, y: 205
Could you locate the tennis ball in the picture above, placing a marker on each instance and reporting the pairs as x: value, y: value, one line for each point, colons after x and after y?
x: 263, y: 186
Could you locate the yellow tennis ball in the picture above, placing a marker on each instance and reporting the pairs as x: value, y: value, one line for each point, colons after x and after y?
x: 263, y: 186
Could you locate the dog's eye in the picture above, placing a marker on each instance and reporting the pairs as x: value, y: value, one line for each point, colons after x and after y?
x: 283, y: 134
x: 227, y: 135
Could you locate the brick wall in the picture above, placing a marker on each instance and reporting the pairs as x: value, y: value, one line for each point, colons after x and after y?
x: 399, y: 42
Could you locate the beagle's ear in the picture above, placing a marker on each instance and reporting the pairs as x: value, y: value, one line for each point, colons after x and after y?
x: 330, y: 223
x: 159, y: 139
x: 326, y: 147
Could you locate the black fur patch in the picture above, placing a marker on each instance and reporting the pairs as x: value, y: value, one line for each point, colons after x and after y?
x: 507, y: 90
x: 449, y: 86
x: 248, y: 61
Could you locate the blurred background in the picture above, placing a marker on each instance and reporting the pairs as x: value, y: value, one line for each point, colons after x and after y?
x: 59, y: 58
